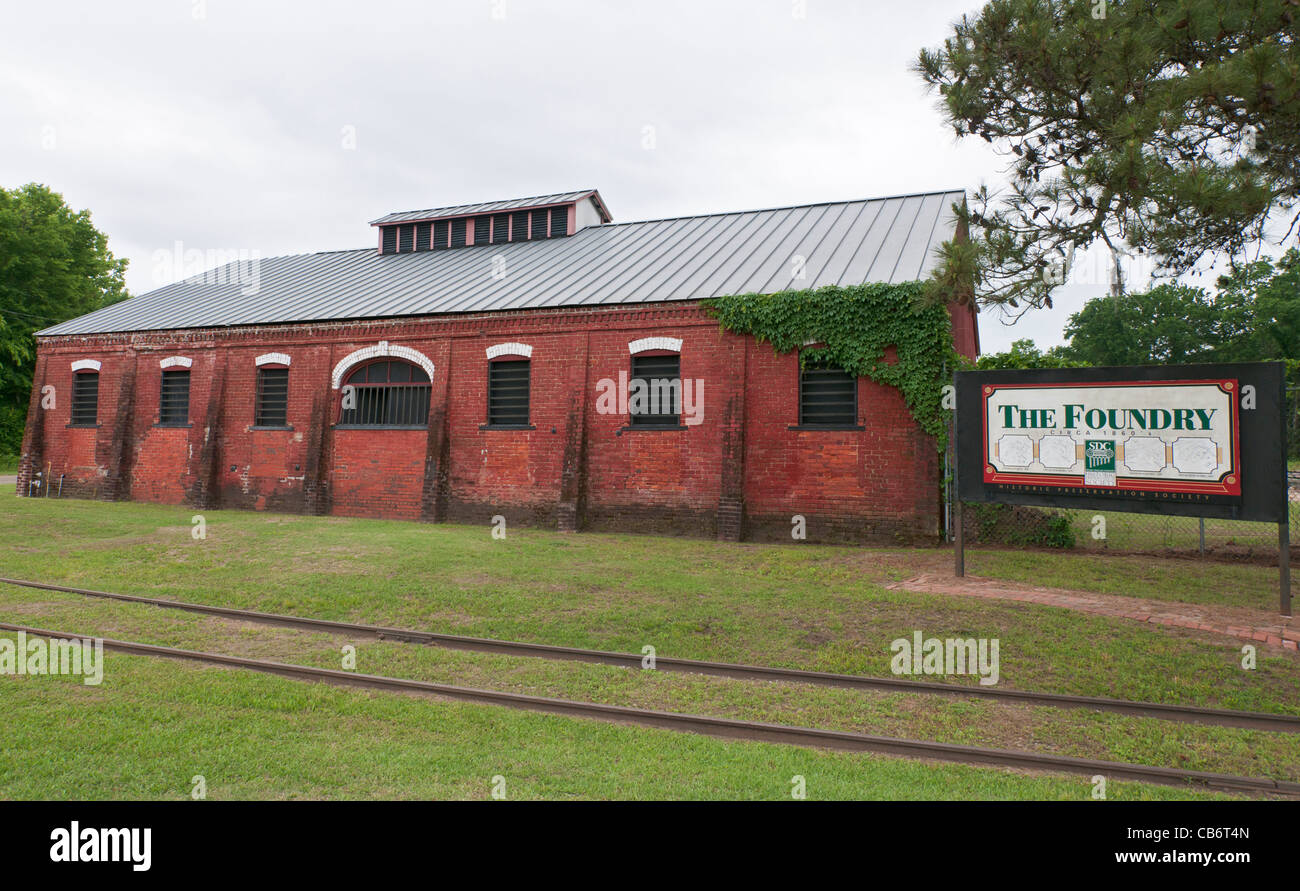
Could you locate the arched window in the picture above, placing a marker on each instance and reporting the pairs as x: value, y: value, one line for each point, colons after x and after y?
x: 386, y: 393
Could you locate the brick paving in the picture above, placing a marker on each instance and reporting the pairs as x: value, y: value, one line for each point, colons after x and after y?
x: 1244, y: 624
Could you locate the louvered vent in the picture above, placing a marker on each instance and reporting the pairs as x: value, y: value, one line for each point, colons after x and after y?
x: 559, y: 221
x: 519, y: 226
x: 492, y: 222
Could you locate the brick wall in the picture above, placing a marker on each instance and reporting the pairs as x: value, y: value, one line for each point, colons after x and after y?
x: 743, y: 471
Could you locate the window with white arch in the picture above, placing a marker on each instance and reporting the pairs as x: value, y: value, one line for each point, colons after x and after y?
x: 385, y: 392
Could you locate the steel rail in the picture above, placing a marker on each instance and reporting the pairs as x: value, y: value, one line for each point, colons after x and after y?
x: 1185, y: 713
x: 726, y: 728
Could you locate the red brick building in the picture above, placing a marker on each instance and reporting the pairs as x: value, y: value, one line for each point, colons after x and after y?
x: 488, y: 360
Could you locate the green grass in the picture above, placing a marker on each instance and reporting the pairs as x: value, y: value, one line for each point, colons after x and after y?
x: 1174, y: 579
x: 964, y: 721
x: 153, y: 726
x: 810, y: 607
x: 804, y: 606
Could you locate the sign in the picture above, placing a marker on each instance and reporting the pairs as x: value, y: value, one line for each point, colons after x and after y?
x: 1193, y: 440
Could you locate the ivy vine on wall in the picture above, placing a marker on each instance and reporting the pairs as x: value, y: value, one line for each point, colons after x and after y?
x: 852, y: 327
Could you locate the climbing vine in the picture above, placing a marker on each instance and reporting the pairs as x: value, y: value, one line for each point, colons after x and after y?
x: 852, y: 327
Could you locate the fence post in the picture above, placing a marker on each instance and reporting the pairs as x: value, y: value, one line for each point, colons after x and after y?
x: 1284, y: 563
x: 959, y: 525
x: 1201, y: 523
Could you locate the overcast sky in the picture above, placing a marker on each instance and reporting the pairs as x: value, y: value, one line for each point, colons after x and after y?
x: 285, y: 128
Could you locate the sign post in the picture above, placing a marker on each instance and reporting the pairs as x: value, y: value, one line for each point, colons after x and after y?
x: 1191, y: 440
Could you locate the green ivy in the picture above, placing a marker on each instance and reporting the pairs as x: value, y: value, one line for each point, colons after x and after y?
x: 853, y: 327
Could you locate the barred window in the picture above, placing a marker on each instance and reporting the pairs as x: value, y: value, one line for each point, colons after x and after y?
x: 85, y: 398
x: 388, y: 393
x: 174, y: 398
x: 828, y: 397
x: 508, y: 382
x: 272, y: 398
x: 655, y: 391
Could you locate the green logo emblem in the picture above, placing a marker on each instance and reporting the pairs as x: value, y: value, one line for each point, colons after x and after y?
x: 1099, y: 455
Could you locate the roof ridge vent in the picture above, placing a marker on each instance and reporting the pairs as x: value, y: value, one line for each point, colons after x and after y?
x: 493, y: 222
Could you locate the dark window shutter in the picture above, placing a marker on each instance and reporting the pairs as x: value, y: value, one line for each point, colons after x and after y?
x: 663, y: 386
x: 440, y: 230
x: 406, y: 239
x: 390, y: 239
x: 482, y: 233
x: 828, y: 397
x: 85, y: 398
x: 508, y: 382
x: 174, y: 398
x: 458, y: 230
x: 518, y: 226
x: 559, y: 221
x: 423, y: 232
x: 539, y: 224
x: 500, y: 228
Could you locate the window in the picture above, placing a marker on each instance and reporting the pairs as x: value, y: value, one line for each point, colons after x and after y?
x: 559, y: 221
x: 174, y: 399
x: 405, y: 238
x: 272, y: 398
x: 519, y: 226
x: 828, y: 397
x: 85, y: 398
x: 540, y: 218
x: 508, y: 393
x: 458, y: 230
x: 657, y: 400
x: 482, y: 229
x: 500, y: 228
x: 389, y: 393
x: 390, y: 240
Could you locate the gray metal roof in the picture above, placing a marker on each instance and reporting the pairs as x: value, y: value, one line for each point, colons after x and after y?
x: 457, y: 210
x: 685, y: 258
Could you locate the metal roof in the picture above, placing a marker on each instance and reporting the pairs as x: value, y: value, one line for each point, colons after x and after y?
x: 684, y: 258
x: 433, y: 213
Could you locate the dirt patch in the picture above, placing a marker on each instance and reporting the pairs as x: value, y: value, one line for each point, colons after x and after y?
x: 1234, y: 621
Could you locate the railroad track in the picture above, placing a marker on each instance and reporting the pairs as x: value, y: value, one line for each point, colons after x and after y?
x: 725, y: 728
x: 1184, y: 713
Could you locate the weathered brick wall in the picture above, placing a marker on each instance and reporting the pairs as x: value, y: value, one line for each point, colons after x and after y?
x: 742, y: 471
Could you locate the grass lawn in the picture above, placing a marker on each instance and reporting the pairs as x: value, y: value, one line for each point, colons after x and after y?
x: 806, y: 606
x: 154, y: 725
x: 968, y: 722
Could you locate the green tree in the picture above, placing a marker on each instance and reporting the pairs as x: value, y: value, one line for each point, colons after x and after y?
x: 1025, y: 354
x: 1168, y: 324
x: 1164, y: 127
x: 1259, y: 311
x: 54, y: 265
